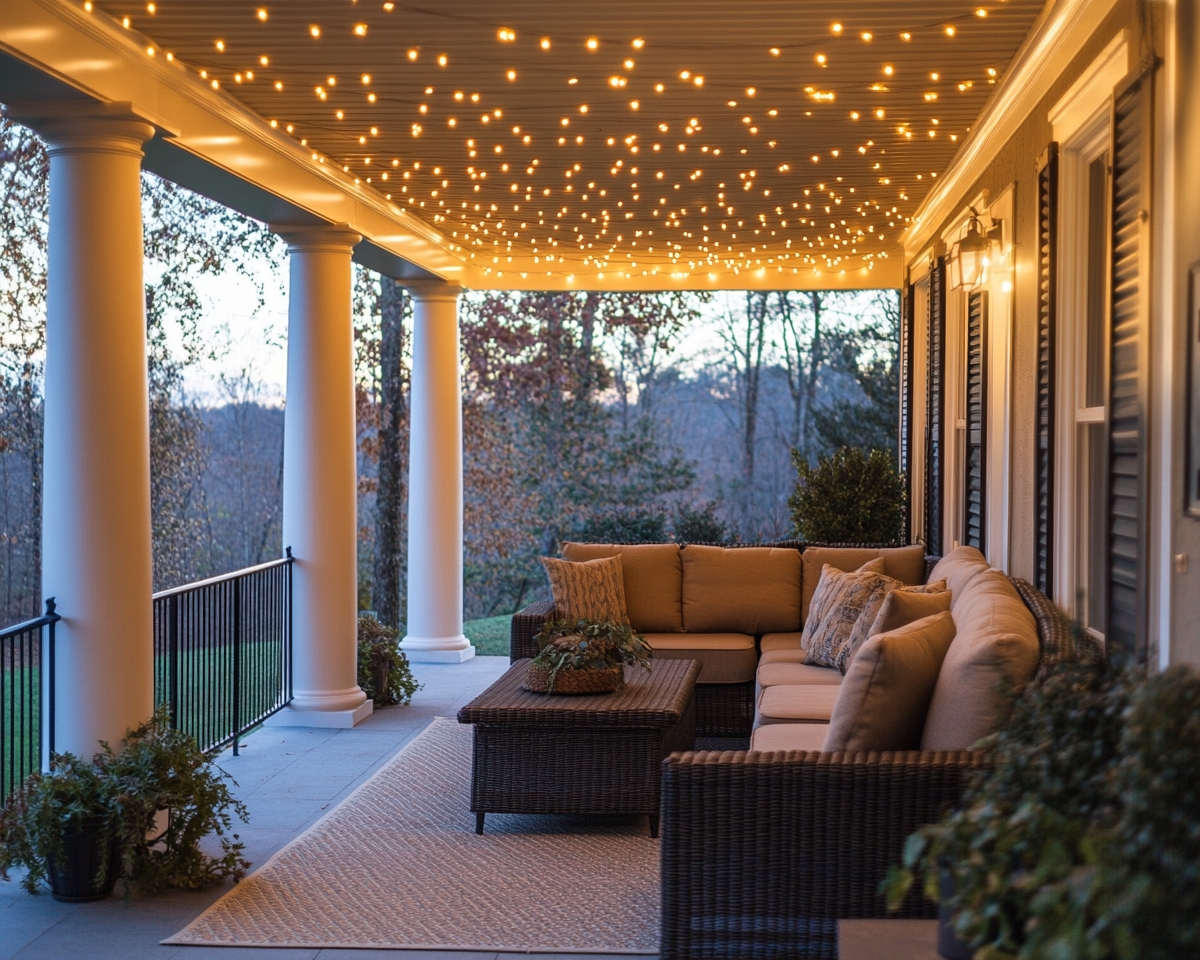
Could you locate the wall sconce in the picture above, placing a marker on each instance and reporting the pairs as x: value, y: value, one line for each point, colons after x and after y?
x: 972, y: 254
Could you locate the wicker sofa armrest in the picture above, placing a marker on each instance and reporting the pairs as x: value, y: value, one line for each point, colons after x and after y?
x: 762, y: 853
x: 525, y: 626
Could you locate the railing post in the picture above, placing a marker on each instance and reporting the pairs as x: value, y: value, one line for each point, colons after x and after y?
x: 237, y: 663
x: 52, y: 618
x: 173, y: 660
x: 288, y: 614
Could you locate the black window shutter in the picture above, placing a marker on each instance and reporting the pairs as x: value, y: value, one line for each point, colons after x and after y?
x: 1047, y: 320
x: 906, y: 398
x: 1125, y: 518
x: 934, y: 417
x: 975, y: 476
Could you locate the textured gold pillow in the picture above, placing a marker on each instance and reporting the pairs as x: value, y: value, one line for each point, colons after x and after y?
x: 594, y: 589
x: 864, y: 626
x: 836, y: 606
x: 882, y: 703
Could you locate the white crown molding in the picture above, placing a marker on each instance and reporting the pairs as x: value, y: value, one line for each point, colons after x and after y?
x: 1055, y: 40
x: 1092, y: 90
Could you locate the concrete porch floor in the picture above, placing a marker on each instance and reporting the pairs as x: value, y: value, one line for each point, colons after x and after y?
x: 289, y: 777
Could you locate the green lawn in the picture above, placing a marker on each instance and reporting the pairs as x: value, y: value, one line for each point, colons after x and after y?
x: 489, y: 635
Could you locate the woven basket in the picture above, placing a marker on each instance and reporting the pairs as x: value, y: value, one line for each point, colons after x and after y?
x: 537, y: 680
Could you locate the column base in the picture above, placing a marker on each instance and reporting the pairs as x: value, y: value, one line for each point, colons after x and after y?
x: 300, y: 717
x: 437, y: 649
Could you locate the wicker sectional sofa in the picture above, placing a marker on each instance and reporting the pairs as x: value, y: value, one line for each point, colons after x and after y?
x: 721, y: 606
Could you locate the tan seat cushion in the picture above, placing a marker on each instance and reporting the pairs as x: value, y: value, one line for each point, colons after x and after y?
x: 724, y: 657
x: 958, y: 568
x: 745, y: 589
x: 774, y: 674
x: 789, y: 736
x: 653, y: 576
x: 990, y: 662
x: 790, y: 703
x: 882, y: 703
x: 906, y: 564
x: 836, y: 607
x: 594, y: 589
x: 772, y: 642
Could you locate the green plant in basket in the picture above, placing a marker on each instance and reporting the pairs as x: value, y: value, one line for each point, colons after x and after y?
x: 586, y: 645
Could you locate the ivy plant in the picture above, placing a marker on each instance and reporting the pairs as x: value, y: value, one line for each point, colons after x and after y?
x: 384, y: 673
x: 1081, y: 837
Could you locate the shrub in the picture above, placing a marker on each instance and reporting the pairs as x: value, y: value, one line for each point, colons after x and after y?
x: 693, y: 525
x: 632, y: 525
x: 384, y: 673
x: 1082, y: 837
x: 849, y: 497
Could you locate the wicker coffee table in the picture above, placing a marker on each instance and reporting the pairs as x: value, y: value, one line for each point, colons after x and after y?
x: 595, y: 753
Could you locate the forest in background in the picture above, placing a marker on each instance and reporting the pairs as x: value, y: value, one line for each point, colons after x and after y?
x: 622, y: 416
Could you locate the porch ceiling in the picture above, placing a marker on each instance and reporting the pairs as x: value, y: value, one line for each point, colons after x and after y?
x: 630, y: 144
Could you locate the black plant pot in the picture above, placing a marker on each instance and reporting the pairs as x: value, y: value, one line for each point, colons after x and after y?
x: 949, y: 945
x: 85, y: 851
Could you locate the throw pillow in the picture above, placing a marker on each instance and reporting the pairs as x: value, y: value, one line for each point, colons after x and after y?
x: 593, y: 589
x: 865, y: 623
x: 881, y: 705
x: 836, y: 606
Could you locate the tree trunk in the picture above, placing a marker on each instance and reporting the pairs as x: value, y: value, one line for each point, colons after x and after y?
x: 816, y: 357
x: 390, y: 496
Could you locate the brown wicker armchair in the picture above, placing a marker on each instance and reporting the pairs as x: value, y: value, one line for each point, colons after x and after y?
x: 762, y: 853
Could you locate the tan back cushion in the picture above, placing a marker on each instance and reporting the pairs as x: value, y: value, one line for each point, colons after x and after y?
x: 906, y: 564
x: 991, y: 660
x: 594, y: 589
x: 881, y: 705
x: 744, y: 589
x: 865, y: 625
x: 902, y: 607
x: 958, y: 568
x: 653, y: 577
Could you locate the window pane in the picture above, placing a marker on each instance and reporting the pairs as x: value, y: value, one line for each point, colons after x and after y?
x: 1097, y: 269
x: 1093, y: 565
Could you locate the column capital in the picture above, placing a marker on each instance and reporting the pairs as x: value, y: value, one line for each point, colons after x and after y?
x: 84, y: 126
x: 321, y: 237
x: 432, y: 289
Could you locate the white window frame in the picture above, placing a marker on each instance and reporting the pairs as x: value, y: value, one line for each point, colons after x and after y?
x: 1089, y: 138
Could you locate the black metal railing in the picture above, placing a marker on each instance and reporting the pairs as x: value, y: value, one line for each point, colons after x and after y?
x: 25, y: 650
x: 223, y: 652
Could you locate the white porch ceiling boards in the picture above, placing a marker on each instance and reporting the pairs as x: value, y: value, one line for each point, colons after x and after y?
x: 748, y: 160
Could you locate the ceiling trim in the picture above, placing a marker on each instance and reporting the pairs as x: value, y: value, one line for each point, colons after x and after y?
x: 1055, y: 40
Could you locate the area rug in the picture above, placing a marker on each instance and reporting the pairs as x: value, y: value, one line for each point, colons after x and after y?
x: 398, y: 865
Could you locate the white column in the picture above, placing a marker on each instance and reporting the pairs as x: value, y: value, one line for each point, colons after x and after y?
x: 320, y: 480
x: 435, y: 481
x: 96, y: 488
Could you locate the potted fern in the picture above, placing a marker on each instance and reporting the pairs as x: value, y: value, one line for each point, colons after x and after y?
x: 84, y: 825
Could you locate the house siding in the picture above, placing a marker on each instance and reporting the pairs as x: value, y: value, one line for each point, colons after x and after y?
x: 1015, y: 164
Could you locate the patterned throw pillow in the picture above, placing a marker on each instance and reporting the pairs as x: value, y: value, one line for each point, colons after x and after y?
x: 870, y: 610
x: 836, y: 606
x: 593, y: 589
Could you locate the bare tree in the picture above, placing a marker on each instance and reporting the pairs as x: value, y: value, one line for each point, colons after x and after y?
x: 803, y: 355
x: 391, y: 492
